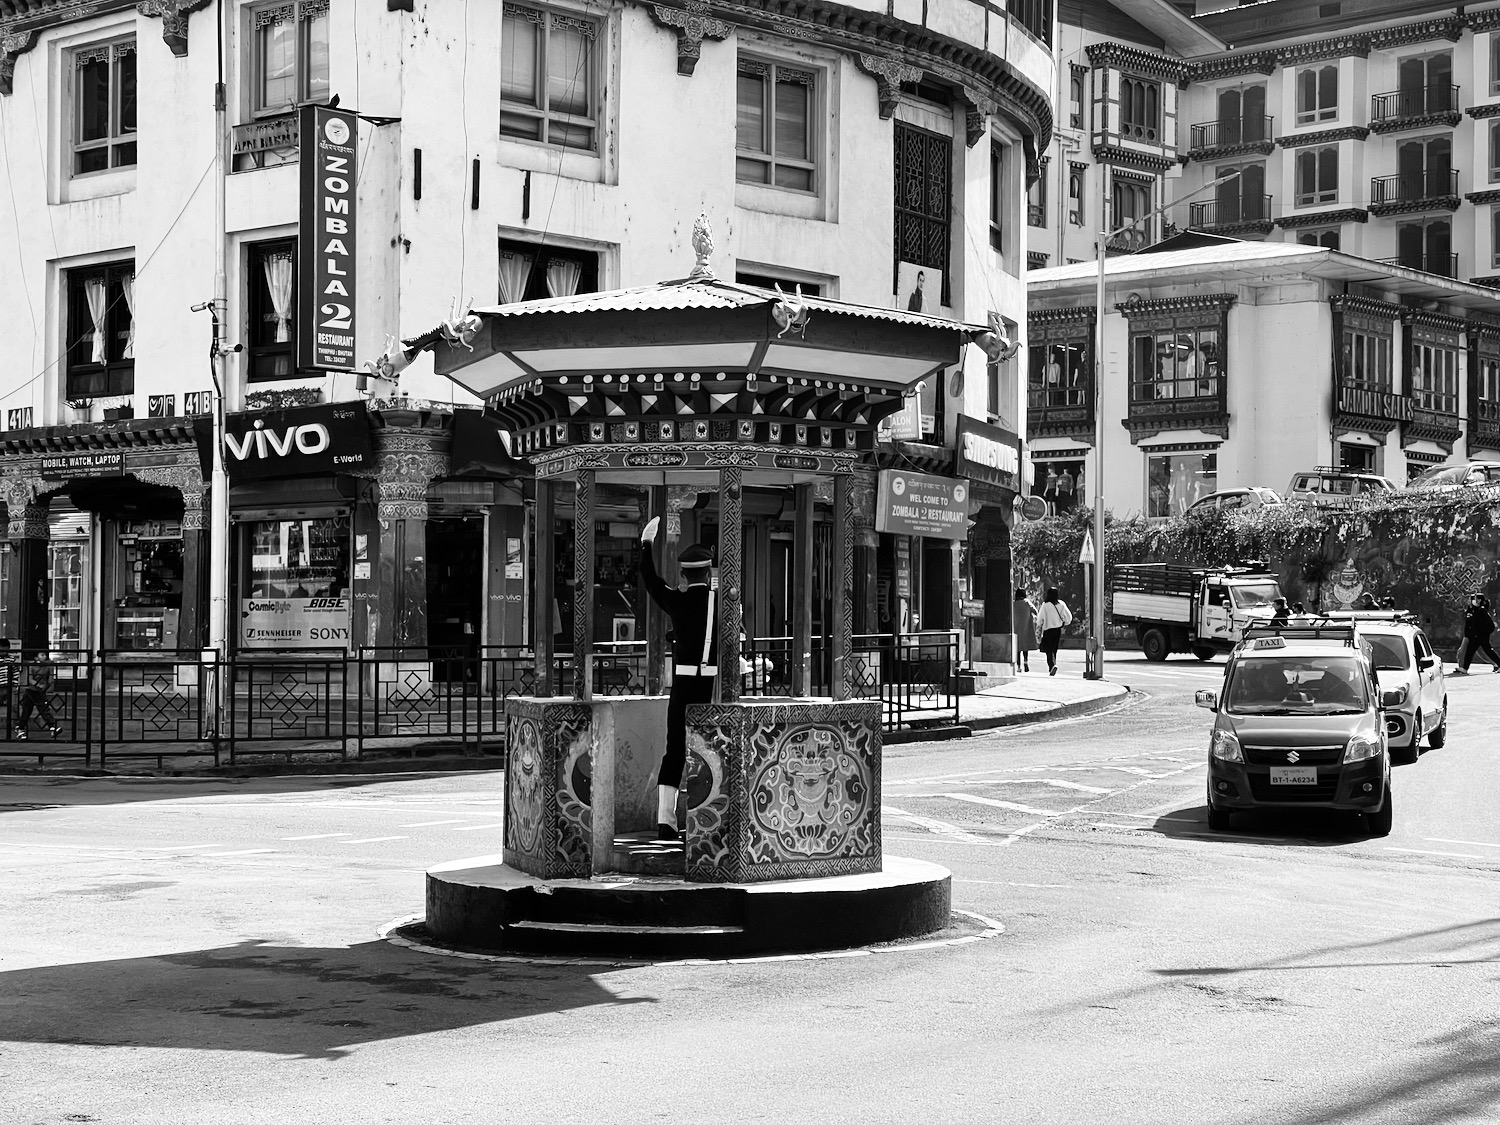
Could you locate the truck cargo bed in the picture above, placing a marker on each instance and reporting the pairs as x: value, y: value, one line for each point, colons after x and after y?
x: 1177, y: 608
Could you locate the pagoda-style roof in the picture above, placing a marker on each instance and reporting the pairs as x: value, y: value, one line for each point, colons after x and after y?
x: 698, y: 360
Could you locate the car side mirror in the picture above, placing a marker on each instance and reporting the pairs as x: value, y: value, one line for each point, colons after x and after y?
x: 1426, y: 662
x: 1209, y: 700
x: 1392, y: 699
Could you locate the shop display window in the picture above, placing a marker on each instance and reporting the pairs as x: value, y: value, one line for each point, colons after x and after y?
x: 296, y: 589
x: 148, y: 585
x: 67, y: 606
x: 1175, y: 480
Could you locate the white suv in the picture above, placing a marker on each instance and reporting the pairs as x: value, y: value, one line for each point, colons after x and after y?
x: 1405, y: 663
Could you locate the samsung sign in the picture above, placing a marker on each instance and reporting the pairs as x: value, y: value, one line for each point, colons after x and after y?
x: 325, y: 239
x: 988, y: 453
x: 302, y: 441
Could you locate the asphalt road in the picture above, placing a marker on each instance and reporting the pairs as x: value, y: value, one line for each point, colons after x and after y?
x: 186, y: 951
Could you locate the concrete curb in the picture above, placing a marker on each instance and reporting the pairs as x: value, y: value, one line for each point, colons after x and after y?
x: 1049, y: 714
x: 444, y: 764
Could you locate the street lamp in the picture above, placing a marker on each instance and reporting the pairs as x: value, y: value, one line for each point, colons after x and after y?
x: 1095, y: 670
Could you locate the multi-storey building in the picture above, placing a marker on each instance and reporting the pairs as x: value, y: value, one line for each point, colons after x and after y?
x: 504, y: 152
x: 1367, y: 128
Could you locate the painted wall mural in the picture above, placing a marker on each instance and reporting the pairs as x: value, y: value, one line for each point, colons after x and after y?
x: 787, y: 791
x: 548, y: 818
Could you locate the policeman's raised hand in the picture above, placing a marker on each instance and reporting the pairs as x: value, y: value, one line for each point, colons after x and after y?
x: 648, y: 533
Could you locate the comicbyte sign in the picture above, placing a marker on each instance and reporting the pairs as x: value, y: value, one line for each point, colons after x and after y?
x: 918, y: 504
x: 325, y: 239
x: 294, y: 622
x: 331, y: 438
x: 988, y: 453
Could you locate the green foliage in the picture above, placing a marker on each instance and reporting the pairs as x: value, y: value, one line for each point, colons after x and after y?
x: 1428, y: 550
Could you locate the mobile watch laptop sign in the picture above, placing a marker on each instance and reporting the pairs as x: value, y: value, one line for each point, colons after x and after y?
x: 328, y: 150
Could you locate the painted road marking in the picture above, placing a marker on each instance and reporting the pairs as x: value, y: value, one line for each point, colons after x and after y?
x: 373, y: 840
x: 1449, y: 855
x: 938, y: 827
x: 247, y: 851
x: 317, y: 836
x: 1470, y: 843
x: 1105, y: 824
x: 477, y: 827
x: 429, y: 823
x: 994, y: 804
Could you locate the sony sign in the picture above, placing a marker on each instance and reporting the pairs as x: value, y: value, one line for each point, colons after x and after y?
x: 988, y: 453
x: 326, y: 239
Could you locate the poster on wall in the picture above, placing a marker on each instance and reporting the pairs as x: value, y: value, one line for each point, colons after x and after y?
x: 919, y: 289
x: 297, y: 593
x: 294, y: 622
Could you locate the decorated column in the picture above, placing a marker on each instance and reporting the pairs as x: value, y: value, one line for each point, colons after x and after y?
x: 405, y: 464
x: 731, y: 575
x: 583, y: 583
x: 26, y: 598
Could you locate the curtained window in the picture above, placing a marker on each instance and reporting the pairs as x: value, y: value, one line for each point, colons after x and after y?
x: 271, y: 311
x: 531, y: 271
x: 101, y: 332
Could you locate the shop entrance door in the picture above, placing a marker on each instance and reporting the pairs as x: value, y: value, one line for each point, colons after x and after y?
x: 455, y: 595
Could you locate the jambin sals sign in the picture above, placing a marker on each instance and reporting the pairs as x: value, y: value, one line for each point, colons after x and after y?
x: 325, y: 239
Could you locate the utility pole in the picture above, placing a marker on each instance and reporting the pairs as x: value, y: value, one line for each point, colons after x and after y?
x: 218, y: 525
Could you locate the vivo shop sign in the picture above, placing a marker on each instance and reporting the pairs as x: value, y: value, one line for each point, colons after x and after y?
x: 325, y: 239
x: 302, y: 441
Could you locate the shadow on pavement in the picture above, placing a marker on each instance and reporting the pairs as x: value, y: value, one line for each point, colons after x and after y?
x: 28, y: 793
x: 1318, y: 828
x: 293, y: 1001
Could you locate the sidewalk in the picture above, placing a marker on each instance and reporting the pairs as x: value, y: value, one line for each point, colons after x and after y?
x: 1036, y: 697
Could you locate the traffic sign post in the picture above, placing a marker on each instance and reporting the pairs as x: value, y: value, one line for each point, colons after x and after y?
x: 1091, y: 647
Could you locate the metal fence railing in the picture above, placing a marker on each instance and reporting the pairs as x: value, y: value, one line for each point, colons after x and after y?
x: 110, y: 706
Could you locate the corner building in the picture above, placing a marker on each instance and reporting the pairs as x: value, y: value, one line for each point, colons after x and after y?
x: 505, y: 152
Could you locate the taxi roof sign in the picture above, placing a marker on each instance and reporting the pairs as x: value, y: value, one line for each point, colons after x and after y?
x: 1268, y: 642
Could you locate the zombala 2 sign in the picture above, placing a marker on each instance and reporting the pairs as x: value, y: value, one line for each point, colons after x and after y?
x: 920, y: 504
x: 325, y: 239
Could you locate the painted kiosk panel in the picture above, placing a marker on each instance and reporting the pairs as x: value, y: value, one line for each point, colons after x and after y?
x: 721, y: 387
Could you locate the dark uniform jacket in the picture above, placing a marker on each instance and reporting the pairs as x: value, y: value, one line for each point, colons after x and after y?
x: 1477, y: 623
x: 688, y: 610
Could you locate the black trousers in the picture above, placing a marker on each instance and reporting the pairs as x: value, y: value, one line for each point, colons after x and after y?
x: 34, y: 697
x: 1051, y: 639
x: 686, y: 691
x: 1474, y: 645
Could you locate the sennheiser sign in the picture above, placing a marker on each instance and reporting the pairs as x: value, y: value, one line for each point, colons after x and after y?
x: 302, y: 441
x: 325, y: 239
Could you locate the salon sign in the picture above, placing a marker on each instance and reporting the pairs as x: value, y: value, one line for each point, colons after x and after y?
x: 325, y: 239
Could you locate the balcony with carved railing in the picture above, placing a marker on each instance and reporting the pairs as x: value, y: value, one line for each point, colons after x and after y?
x: 1484, y: 423
x: 1407, y: 192
x: 1239, y: 214
x: 1443, y: 265
x: 1415, y: 109
x: 1233, y: 136
x: 1129, y: 241
x: 1060, y: 412
x: 265, y: 142
x: 1036, y: 215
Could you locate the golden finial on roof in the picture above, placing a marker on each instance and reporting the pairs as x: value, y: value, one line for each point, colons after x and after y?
x: 703, y: 246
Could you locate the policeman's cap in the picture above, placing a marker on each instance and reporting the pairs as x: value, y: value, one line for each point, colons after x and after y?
x: 695, y: 557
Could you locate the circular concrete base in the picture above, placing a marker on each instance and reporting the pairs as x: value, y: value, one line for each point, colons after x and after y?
x: 483, y: 904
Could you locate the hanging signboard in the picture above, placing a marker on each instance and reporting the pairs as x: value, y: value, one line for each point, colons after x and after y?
x: 920, y: 504
x: 988, y: 453
x: 300, y: 441
x: 60, y: 466
x: 328, y: 150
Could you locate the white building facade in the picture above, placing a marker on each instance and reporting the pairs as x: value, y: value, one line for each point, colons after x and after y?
x: 505, y: 152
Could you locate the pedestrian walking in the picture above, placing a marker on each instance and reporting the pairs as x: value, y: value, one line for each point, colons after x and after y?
x: 1279, y: 612
x: 38, y: 681
x: 1023, y: 621
x: 1478, y: 625
x: 1050, y: 619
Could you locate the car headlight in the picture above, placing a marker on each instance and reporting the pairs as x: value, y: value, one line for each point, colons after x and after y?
x: 1402, y: 692
x: 1362, y: 747
x: 1226, y: 747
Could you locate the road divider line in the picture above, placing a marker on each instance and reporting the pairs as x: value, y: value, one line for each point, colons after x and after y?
x: 430, y: 823
x: 990, y: 802
x: 477, y: 827
x: 247, y: 851
x: 938, y: 827
x: 1448, y: 855
x: 373, y: 839
x: 1470, y: 843
x: 317, y: 836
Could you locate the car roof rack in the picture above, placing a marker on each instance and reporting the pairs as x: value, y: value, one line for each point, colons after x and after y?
x: 1313, y: 629
x: 1391, y: 616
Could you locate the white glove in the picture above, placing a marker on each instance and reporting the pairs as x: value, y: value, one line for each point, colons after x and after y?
x: 648, y: 534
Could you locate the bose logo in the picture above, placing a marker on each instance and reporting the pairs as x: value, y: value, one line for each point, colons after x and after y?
x: 263, y: 443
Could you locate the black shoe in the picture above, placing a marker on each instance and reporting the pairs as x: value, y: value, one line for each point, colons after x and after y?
x: 667, y: 832
x: 55, y: 732
x: 1052, y: 671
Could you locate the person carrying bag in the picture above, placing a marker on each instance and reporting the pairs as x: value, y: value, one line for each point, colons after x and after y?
x: 1050, y: 619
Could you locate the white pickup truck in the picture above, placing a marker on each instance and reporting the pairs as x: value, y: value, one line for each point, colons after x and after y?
x: 1187, y: 609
